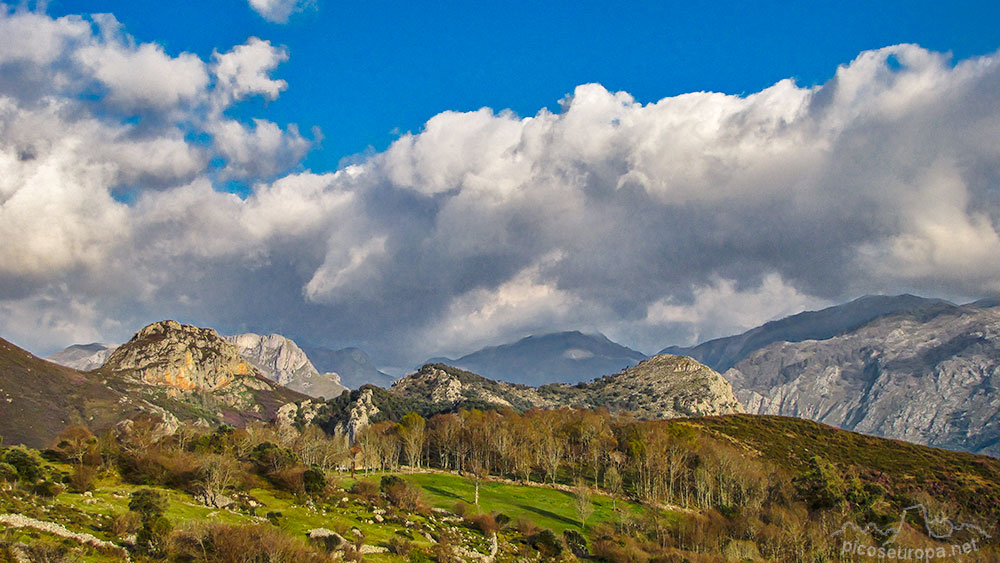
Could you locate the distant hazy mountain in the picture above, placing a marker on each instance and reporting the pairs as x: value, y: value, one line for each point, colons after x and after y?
x: 353, y: 365
x: 83, y: 357
x: 722, y: 353
x: 279, y: 359
x: 930, y: 376
x: 563, y: 357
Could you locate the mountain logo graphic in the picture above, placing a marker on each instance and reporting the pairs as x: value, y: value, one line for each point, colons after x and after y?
x: 938, y: 528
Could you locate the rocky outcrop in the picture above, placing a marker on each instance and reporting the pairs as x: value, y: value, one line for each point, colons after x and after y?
x: 930, y: 378
x: 83, y: 357
x: 661, y: 387
x: 181, y: 357
x: 665, y: 386
x: 282, y: 361
x: 362, y: 411
x: 193, y: 364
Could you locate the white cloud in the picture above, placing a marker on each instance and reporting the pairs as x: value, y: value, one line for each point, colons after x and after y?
x: 245, y: 71
x: 658, y: 223
x: 721, y: 308
x: 278, y: 11
x: 144, y: 76
x: 512, y: 309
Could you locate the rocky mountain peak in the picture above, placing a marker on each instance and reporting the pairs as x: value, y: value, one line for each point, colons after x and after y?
x: 281, y: 360
x: 666, y: 386
x: 182, y: 357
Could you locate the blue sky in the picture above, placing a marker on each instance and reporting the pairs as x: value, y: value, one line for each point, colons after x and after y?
x: 666, y: 174
x: 363, y: 70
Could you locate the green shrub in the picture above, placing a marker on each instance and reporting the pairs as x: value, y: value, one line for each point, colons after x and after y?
x: 313, y: 480
x: 546, y: 543
x: 25, y: 462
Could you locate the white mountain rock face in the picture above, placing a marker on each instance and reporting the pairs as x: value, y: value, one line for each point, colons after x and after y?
x: 281, y: 360
x: 931, y: 378
x: 83, y: 357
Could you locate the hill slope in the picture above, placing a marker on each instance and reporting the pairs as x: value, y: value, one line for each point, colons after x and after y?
x: 39, y: 398
x: 564, y: 357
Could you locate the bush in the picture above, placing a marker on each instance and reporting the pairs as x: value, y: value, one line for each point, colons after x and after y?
x: 463, y: 508
x: 576, y: 543
x: 227, y: 542
x: 82, y: 478
x: 400, y: 546
x: 289, y: 479
x: 546, y: 543
x: 47, y: 489
x: 7, y: 472
x: 314, y: 481
x: 405, y: 496
x: 365, y: 489
x: 25, y: 463
x: 389, y: 481
x: 485, y: 523
x: 125, y: 524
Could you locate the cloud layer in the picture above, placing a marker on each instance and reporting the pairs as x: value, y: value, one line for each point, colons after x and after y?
x: 689, y: 218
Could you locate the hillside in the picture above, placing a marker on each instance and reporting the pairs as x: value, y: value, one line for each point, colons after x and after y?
x: 39, y: 398
x: 722, y: 353
x: 928, y: 377
x: 564, y: 357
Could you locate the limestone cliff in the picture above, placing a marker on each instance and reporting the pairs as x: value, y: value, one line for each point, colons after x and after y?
x: 281, y: 360
x: 930, y: 377
x: 196, y: 365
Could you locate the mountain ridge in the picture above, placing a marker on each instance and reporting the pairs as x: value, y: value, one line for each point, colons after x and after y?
x: 557, y: 357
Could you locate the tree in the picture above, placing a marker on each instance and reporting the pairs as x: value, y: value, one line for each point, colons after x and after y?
x: 412, y: 432
x: 150, y: 506
x: 74, y: 442
x: 218, y: 474
x: 582, y: 502
x: 613, y: 484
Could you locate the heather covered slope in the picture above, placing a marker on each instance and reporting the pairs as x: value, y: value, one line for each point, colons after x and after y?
x: 39, y: 398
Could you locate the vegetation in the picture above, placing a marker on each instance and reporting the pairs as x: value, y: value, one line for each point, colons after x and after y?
x: 547, y: 484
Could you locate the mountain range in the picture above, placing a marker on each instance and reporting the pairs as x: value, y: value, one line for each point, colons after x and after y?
x: 927, y: 375
x: 902, y: 366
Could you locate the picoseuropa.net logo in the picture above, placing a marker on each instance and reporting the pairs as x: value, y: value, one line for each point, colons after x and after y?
x: 886, y: 544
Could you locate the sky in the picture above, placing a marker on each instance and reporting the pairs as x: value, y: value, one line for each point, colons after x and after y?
x: 424, y: 181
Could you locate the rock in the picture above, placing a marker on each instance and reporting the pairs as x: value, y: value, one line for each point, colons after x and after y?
x: 182, y: 357
x: 187, y: 361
